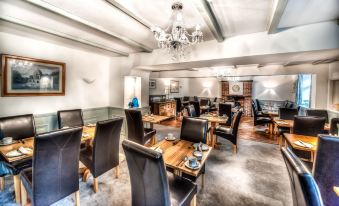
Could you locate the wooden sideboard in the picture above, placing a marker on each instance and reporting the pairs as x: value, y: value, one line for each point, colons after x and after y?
x: 164, y: 108
x: 245, y: 99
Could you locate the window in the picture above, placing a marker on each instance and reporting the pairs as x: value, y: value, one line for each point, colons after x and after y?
x: 303, y: 92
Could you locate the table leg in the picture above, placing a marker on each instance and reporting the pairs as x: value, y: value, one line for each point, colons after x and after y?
x: 17, y: 190
x: 212, y: 142
x: 2, y: 183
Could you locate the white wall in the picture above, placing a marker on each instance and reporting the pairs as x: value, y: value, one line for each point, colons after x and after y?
x: 79, y: 64
x: 274, y: 87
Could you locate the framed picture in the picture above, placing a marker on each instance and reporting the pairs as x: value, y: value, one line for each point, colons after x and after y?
x: 174, y: 86
x: 236, y: 88
x: 23, y: 76
x: 152, y: 83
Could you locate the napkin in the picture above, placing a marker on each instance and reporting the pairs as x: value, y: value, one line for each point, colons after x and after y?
x: 303, y: 144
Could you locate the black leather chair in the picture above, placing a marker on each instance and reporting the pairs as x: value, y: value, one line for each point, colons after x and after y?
x: 70, y: 118
x: 258, y: 119
x: 257, y: 102
x: 305, y: 191
x: 149, y: 180
x: 54, y: 174
x: 309, y: 126
x: 194, y: 129
x: 136, y: 130
x: 104, y: 155
x: 18, y: 127
x: 186, y: 98
x: 230, y: 133
x: 195, y: 98
x: 334, y: 126
x: 317, y: 113
x: 326, y: 168
x: 286, y: 114
x: 196, y: 105
x: 226, y: 109
x: 191, y: 111
x: 179, y: 105
x: 205, y: 102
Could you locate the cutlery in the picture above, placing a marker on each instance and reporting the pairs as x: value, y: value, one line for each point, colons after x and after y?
x: 301, y: 142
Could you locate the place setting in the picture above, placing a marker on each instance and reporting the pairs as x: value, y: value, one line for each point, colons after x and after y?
x: 7, y: 141
x: 19, y: 152
x: 301, y: 143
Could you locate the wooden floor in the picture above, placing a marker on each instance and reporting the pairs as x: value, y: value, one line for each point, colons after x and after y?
x: 246, y: 130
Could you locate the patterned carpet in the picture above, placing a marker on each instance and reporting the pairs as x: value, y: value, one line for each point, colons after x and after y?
x: 255, y: 176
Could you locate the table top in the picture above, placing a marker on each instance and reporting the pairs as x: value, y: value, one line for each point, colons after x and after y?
x: 173, y: 155
x: 88, y: 134
x: 289, y: 123
x: 217, y: 119
x: 155, y: 119
x: 271, y: 113
x: 291, y: 138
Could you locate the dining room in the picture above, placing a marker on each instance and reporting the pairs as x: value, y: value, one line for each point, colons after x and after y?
x: 209, y: 102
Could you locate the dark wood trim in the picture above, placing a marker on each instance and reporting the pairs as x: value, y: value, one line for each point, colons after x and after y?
x: 4, y: 91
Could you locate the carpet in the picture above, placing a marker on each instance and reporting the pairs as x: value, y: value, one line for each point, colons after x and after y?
x: 255, y: 176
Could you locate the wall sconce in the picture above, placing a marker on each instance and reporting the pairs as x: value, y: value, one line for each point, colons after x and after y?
x: 207, y: 84
x: 88, y: 81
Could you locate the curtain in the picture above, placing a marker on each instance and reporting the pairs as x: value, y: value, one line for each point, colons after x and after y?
x: 298, y: 92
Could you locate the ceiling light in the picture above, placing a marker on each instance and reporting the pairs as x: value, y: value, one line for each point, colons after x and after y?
x: 175, y: 38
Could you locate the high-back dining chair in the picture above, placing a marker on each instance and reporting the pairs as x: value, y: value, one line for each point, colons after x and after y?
x: 194, y: 129
x: 54, y: 174
x: 287, y: 113
x: 136, y: 131
x: 326, y: 168
x: 18, y: 127
x: 305, y: 191
x: 226, y: 109
x: 105, y: 152
x: 150, y: 184
x: 70, y: 118
x: 334, y: 126
x: 309, y: 126
x: 317, y: 113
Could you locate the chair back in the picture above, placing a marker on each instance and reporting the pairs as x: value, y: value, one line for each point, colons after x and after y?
x: 18, y: 127
x: 309, y: 126
x: 135, y: 126
x: 305, y: 191
x: 191, y: 111
x: 70, y: 118
x: 334, y: 126
x: 317, y: 113
x: 287, y: 113
x: 195, y: 98
x: 226, y: 109
x: 194, y: 129
x: 148, y: 175
x: 196, y: 105
x: 255, y: 110
x: 326, y: 168
x: 55, y: 165
x: 186, y: 98
x: 258, y: 106
x: 106, y: 146
x: 204, y: 102
x: 178, y: 104
x: 236, y: 123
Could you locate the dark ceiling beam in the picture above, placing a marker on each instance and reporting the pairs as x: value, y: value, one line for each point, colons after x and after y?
x: 59, y: 34
x: 278, y: 12
x: 128, y: 13
x: 67, y: 15
x: 210, y: 18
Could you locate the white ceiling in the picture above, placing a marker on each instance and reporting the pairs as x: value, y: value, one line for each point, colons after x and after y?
x: 235, y: 17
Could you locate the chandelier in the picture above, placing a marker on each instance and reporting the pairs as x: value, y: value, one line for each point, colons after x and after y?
x: 175, y: 38
x: 225, y: 74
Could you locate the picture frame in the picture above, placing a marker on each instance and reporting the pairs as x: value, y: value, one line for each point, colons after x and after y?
x: 24, y: 76
x: 152, y: 84
x: 174, y: 86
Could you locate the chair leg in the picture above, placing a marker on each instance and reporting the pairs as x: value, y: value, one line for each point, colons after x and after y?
x: 95, y: 184
x: 194, y: 201
x: 86, y: 175
x: 23, y: 195
x: 77, y: 198
x: 234, y: 149
x: 117, y: 171
x: 2, y: 183
x: 16, y: 180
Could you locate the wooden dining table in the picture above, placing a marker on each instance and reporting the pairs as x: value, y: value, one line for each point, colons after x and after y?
x: 293, y: 138
x: 87, y: 135
x: 289, y: 124
x: 154, y: 119
x: 174, y: 152
x: 214, y: 120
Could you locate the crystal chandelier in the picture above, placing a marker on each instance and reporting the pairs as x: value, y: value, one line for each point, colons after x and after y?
x: 175, y: 38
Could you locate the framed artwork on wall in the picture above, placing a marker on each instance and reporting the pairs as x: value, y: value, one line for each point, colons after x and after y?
x: 174, y: 86
x: 236, y: 88
x: 24, y: 76
x: 152, y: 84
